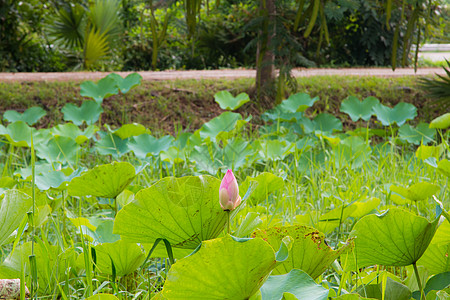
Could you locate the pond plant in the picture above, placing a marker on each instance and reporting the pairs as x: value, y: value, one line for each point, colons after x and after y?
x: 291, y: 206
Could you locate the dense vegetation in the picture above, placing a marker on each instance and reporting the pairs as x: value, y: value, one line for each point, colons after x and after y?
x: 93, y: 211
x: 55, y: 35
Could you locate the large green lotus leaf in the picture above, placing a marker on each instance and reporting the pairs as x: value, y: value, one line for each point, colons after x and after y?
x: 424, y: 152
x: 174, y: 155
x: 422, y: 134
x: 207, y: 157
x: 437, y: 256
x: 417, y: 192
x: 331, y: 219
x: 435, y: 283
x: 351, y: 152
x: 13, y: 208
x: 399, y: 114
x: 236, y: 153
x: 59, y: 149
x: 297, y: 103
x: 127, y: 83
x: 326, y: 122
x: 297, y: 283
x: 393, y: 291
x: 308, y: 250
x: 73, y: 131
x: 102, y: 297
x: 229, y: 102
x: 18, y: 134
x: 274, y: 149
x: 185, y: 211
x: 127, y: 257
x: 394, y: 238
x: 224, y: 123
x: 222, y: 268
x: 267, y: 184
x: 278, y: 114
x: 444, y: 167
x: 56, y: 179
x: 359, y: 109
x: 105, y: 181
x: 441, y: 122
x: 103, y: 89
x: 323, y: 122
x: 88, y: 112
x: 145, y: 145
x: 129, y: 130
x: 30, y: 116
x: 111, y: 144
x: 363, y: 208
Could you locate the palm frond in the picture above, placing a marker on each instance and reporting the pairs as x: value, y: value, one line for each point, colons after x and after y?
x: 96, y: 47
x: 68, y: 26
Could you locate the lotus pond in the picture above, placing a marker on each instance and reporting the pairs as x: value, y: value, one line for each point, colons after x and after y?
x: 93, y: 212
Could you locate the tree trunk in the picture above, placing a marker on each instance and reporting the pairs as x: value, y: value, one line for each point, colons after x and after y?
x: 265, y: 57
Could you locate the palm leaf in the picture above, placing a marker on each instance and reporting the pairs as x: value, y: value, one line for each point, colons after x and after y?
x: 68, y: 26
x: 96, y: 47
x: 438, y: 88
x: 104, y: 17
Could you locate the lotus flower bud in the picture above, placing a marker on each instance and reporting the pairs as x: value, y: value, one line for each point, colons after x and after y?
x: 229, y: 192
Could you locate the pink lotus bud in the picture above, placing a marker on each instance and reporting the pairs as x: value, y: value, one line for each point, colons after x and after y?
x: 229, y: 192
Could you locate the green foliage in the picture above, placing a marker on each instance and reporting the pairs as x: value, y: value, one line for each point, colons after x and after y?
x: 228, y: 102
x: 438, y: 88
x: 395, y: 238
x: 88, y: 112
x: 187, y: 213
x: 30, y: 116
x: 88, y: 33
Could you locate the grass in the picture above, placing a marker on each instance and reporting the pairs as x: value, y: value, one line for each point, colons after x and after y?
x: 171, y: 106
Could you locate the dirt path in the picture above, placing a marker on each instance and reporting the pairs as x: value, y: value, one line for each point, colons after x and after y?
x: 214, y: 74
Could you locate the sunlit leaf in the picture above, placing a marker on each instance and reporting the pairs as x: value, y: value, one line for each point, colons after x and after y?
x: 221, y: 269
x: 229, y: 102
x: 106, y: 181
x: 394, y: 238
x: 185, y: 211
x: 309, y: 251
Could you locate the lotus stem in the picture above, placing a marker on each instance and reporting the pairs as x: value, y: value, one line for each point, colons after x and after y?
x: 419, y: 283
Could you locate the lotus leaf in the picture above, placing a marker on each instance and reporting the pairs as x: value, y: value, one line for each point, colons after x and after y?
x: 106, y: 181
x: 359, y: 109
x: 127, y: 257
x: 127, y: 83
x: 31, y: 116
x: 222, y: 268
x: 228, y: 102
x: 394, y: 238
x: 309, y: 251
x: 441, y: 122
x: 267, y: 184
x: 298, y: 283
x: 185, y: 211
x: 399, y: 114
x: 98, y: 91
x: 13, y: 208
x: 88, y: 112
x: 422, y: 134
